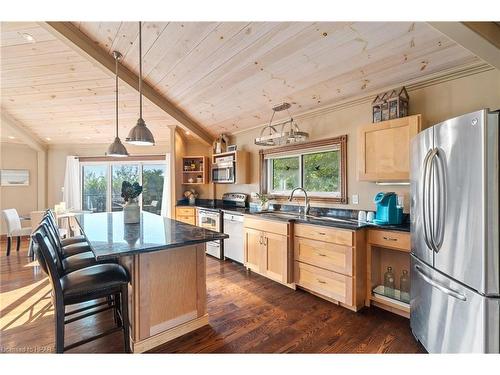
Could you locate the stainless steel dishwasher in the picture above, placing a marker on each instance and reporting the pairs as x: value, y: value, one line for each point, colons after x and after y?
x: 233, y: 246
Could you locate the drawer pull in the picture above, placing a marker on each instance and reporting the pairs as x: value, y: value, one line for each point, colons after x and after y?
x: 389, y: 238
x: 322, y: 255
x: 322, y: 233
x: 321, y: 281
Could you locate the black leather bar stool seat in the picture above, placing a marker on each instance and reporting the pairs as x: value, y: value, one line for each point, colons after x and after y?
x: 93, y: 282
x: 82, y: 260
x: 109, y: 281
x: 73, y: 240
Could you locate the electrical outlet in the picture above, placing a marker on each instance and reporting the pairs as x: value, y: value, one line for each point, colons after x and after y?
x: 355, y: 199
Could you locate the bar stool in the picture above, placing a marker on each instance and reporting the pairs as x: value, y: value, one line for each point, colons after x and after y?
x: 66, y: 250
x: 100, y: 281
x: 67, y: 240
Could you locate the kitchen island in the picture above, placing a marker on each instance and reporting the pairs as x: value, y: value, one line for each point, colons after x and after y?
x: 166, y: 262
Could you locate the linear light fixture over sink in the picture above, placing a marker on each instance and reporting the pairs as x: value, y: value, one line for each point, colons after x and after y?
x: 289, y: 132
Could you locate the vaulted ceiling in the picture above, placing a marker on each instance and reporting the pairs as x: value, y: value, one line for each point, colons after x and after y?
x: 226, y: 76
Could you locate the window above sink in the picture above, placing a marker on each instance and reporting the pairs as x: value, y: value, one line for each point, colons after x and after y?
x: 319, y: 167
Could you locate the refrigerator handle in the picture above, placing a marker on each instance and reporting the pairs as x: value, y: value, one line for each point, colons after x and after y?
x: 441, y: 202
x: 426, y: 198
x: 442, y: 288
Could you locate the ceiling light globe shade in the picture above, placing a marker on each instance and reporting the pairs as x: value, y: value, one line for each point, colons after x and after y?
x: 140, y: 135
x: 117, y: 149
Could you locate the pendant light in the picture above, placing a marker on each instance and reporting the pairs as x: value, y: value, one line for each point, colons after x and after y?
x: 117, y: 149
x: 290, y: 132
x: 140, y: 135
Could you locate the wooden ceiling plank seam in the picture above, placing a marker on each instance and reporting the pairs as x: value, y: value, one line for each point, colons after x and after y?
x: 72, y: 35
x: 208, y: 49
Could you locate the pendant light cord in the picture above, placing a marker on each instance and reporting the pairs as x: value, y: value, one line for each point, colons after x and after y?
x: 140, y: 69
x: 116, y: 92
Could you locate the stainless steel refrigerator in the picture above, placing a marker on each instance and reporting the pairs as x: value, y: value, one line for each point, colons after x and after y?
x: 455, y: 277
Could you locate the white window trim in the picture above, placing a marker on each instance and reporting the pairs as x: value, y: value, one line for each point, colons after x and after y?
x: 109, y: 165
x: 321, y: 194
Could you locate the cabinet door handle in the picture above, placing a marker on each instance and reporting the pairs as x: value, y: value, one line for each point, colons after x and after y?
x: 321, y: 281
x: 260, y: 240
x: 265, y: 241
x: 389, y: 238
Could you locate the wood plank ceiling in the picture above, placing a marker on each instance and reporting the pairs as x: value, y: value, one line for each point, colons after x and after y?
x: 226, y: 76
x: 60, y: 96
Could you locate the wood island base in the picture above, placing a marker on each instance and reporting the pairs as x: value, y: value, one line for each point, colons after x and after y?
x: 167, y: 295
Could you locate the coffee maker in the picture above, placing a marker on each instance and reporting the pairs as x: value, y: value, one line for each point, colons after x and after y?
x: 388, y: 211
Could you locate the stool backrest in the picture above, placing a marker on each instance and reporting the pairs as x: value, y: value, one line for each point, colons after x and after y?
x: 12, y: 220
x: 53, y: 238
x: 51, y: 258
x: 36, y: 218
x: 51, y: 222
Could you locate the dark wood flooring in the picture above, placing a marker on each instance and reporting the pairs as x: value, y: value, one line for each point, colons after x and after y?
x: 248, y: 314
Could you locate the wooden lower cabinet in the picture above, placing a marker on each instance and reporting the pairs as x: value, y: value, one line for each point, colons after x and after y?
x: 268, y: 253
x: 186, y: 215
x: 333, y: 265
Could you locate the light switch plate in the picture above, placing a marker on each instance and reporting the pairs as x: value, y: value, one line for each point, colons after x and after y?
x: 355, y: 199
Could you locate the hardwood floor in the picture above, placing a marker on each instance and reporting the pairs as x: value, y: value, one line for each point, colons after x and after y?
x: 248, y: 314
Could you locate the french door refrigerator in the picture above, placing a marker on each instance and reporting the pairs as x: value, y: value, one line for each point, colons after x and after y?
x: 455, y: 277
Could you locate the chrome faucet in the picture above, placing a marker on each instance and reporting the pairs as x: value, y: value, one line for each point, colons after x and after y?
x: 307, y: 205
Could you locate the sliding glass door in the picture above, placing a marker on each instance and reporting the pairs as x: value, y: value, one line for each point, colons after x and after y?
x: 102, y: 184
x: 95, y: 186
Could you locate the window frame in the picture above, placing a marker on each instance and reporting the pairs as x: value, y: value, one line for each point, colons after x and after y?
x: 299, y: 150
x: 109, y: 169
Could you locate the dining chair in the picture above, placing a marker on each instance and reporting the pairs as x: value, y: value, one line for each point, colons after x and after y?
x: 14, y: 228
x: 108, y: 281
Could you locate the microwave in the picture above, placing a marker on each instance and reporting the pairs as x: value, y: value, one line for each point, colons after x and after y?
x: 224, y: 172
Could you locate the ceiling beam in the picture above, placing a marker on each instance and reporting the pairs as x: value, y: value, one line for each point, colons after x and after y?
x: 81, y: 43
x: 481, y: 38
x: 13, y: 127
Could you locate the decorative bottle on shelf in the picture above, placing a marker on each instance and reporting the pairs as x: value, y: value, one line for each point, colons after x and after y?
x: 404, y: 287
x: 389, y: 283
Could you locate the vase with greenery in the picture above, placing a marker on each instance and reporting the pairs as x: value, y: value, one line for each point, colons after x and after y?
x: 131, y: 209
x: 264, y: 201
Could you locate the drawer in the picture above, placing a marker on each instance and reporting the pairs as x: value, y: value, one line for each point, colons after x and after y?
x: 269, y: 226
x: 185, y: 211
x: 327, y: 283
x: 315, y: 232
x: 391, y: 239
x: 186, y: 219
x: 324, y: 254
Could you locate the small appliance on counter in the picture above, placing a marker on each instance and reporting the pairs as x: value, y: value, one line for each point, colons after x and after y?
x: 388, y: 211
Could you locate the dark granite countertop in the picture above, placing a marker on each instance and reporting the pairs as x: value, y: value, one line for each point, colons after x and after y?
x: 109, y: 237
x: 343, y: 221
x: 336, y: 222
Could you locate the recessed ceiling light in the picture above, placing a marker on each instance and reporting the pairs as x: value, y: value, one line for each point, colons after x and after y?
x: 48, y: 138
x: 187, y: 132
x: 12, y: 137
x: 28, y: 37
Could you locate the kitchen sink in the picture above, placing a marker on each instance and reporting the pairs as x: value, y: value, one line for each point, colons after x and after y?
x: 298, y: 216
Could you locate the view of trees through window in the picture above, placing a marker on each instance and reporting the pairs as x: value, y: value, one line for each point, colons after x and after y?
x: 95, y: 192
x: 316, y: 172
x: 321, y: 171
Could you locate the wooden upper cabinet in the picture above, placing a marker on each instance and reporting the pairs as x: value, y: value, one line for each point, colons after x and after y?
x: 384, y: 149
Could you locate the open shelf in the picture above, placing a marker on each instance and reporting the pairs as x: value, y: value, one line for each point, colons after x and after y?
x: 380, y: 259
x: 195, y: 168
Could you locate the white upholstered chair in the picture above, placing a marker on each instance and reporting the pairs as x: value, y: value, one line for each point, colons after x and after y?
x: 14, y: 228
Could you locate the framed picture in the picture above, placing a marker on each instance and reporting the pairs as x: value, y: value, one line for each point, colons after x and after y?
x: 14, y: 177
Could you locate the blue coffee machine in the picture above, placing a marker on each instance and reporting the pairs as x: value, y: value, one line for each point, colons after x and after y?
x: 388, y: 211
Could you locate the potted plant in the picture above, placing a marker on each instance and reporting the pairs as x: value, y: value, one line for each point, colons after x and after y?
x: 131, y: 209
x: 264, y: 201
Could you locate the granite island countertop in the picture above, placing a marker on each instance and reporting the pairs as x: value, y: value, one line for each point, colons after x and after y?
x: 109, y: 237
